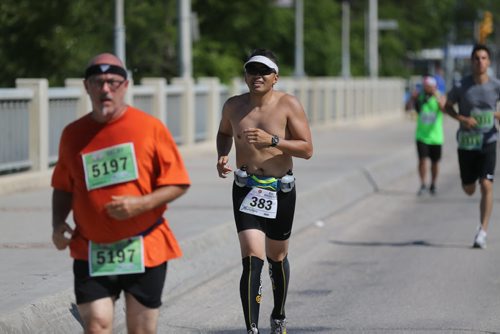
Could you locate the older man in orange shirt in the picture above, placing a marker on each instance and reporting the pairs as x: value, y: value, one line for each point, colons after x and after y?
x: 118, y: 168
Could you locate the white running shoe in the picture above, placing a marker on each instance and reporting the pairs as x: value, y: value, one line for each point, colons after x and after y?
x: 480, y: 239
x: 253, y: 330
x: 421, y: 190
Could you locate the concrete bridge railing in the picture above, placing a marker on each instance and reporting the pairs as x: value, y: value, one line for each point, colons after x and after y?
x: 33, y: 115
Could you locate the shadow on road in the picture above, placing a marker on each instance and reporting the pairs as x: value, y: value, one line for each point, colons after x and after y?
x: 410, y: 243
x: 312, y: 329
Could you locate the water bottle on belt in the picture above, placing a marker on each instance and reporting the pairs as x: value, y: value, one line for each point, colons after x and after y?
x: 241, y: 176
x: 287, y: 182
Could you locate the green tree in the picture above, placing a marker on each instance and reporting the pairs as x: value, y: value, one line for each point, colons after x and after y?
x: 322, y: 38
x: 55, y: 38
x: 49, y: 39
x: 230, y: 30
x: 151, y: 38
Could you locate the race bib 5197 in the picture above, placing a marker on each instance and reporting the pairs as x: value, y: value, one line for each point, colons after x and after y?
x: 117, y: 258
x: 111, y: 165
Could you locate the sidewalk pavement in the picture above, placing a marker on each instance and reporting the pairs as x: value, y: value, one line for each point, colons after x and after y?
x: 350, y: 161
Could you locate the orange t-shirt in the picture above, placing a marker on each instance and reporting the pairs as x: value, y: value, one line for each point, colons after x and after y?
x: 158, y: 164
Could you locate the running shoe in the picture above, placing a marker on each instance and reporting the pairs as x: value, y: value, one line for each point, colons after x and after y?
x: 421, y: 191
x: 253, y: 330
x: 278, y: 326
x: 432, y: 189
x: 480, y: 239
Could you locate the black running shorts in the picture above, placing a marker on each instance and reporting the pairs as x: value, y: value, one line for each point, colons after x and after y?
x: 479, y: 164
x: 432, y: 152
x: 279, y: 228
x: 146, y: 287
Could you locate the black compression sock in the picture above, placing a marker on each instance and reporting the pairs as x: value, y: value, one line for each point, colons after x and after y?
x: 279, y: 272
x: 251, y: 290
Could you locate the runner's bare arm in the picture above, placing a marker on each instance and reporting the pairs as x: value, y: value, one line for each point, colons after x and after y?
x: 224, y: 143
x: 441, y: 102
x: 125, y: 207
x: 61, y: 207
x: 300, y: 142
x: 468, y: 122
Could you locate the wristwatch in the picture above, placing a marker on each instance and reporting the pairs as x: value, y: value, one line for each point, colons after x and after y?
x: 275, y: 140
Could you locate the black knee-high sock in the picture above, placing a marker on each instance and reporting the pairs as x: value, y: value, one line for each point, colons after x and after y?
x: 251, y: 290
x: 280, y: 276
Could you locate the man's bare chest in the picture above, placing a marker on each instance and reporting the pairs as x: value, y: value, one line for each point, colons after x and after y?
x: 262, y: 119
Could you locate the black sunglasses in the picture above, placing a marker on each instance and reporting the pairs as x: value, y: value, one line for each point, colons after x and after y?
x: 253, y: 70
x: 112, y: 83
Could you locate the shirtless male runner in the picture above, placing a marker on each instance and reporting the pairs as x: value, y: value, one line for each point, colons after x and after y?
x: 269, y: 128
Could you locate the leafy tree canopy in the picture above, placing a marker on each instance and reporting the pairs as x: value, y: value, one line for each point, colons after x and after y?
x: 54, y: 39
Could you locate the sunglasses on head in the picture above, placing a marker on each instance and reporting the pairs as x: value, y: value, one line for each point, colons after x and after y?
x: 254, y: 70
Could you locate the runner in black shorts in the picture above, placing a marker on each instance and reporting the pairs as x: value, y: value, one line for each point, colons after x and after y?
x: 433, y: 152
x: 428, y: 104
x: 268, y: 128
x: 476, y: 165
x: 279, y: 228
x: 120, y: 240
x: 146, y: 287
x: 477, y: 96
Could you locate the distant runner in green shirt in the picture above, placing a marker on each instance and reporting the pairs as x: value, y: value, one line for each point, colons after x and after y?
x: 429, y: 136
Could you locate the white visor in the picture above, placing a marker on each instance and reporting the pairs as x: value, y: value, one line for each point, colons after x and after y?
x: 262, y: 60
x: 430, y: 81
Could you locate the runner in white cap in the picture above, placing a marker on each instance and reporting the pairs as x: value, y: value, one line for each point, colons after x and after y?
x: 429, y: 134
x: 268, y: 128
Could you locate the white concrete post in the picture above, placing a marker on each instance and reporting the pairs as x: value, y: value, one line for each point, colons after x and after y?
x: 366, y: 98
x: 187, y: 112
x: 328, y: 105
x: 214, y: 106
x: 129, y: 95
x: 302, y: 95
x: 347, y: 99
x: 84, y: 103
x: 315, y: 85
x: 234, y: 87
x: 159, y: 97
x: 341, y: 100
x: 39, y: 122
x: 286, y: 85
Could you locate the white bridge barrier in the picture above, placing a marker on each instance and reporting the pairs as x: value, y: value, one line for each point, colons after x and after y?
x: 33, y: 115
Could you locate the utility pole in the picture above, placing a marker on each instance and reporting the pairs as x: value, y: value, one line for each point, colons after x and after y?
x: 373, y: 38
x: 119, y: 31
x: 346, y: 54
x: 299, y: 38
x: 186, y: 68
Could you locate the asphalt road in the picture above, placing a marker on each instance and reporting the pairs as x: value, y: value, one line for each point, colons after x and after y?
x: 367, y: 254
x: 391, y: 262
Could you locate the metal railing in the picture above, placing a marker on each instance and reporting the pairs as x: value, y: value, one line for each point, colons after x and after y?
x: 32, y: 115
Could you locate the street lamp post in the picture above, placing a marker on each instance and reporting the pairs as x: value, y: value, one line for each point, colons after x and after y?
x: 119, y: 31
x: 346, y: 54
x: 299, y: 32
x: 373, y: 38
x: 186, y: 68
x: 299, y: 38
